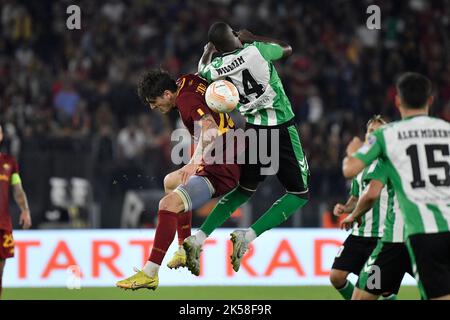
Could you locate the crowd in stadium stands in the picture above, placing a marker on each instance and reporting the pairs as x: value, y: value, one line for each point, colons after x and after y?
x: 56, y: 82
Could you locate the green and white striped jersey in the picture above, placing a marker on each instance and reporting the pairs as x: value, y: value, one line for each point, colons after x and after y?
x: 372, y: 221
x: 393, y: 230
x: 262, y: 97
x: 417, y: 155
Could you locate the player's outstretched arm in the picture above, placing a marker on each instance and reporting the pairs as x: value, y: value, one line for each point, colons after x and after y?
x: 208, y: 51
x: 351, y: 166
x: 21, y: 199
x: 365, y: 203
x: 247, y: 37
x: 202, y: 154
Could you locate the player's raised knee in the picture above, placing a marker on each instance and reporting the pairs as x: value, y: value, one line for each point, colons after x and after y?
x: 171, y: 202
x: 338, y: 278
x: 171, y: 181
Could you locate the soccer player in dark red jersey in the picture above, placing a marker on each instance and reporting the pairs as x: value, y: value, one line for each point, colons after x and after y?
x: 198, y: 181
x: 9, y: 177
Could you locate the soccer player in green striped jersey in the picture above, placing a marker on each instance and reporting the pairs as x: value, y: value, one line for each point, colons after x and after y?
x: 359, y: 245
x: 417, y: 154
x: 247, y: 61
x: 390, y: 254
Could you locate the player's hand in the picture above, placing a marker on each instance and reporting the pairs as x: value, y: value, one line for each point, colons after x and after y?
x: 209, y: 47
x: 349, y: 221
x: 339, y: 209
x: 187, y: 171
x: 354, y: 146
x: 245, y: 36
x: 25, y: 219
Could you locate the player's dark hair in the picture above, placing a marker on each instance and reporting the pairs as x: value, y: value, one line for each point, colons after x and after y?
x: 376, y: 118
x: 414, y: 90
x: 154, y: 83
x: 218, y: 35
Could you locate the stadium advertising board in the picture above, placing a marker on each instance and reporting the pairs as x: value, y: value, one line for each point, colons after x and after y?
x: 91, y: 258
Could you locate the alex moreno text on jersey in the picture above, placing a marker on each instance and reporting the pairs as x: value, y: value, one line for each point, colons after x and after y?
x: 423, y: 133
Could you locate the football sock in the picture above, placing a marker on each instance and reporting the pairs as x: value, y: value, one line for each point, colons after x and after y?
x: 250, y: 235
x: 280, y: 211
x: 151, y: 269
x: 224, y: 209
x: 181, y: 250
x: 184, y: 226
x: 165, y: 233
x: 200, y: 237
x: 347, y: 290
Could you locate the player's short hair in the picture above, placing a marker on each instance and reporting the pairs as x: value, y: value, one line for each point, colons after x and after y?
x: 154, y: 83
x: 218, y: 35
x: 376, y: 118
x: 414, y: 89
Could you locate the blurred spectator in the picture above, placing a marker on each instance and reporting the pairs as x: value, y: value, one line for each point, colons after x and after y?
x: 131, y: 142
x: 66, y: 102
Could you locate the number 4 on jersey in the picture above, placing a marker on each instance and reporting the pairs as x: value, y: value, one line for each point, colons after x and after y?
x: 250, y: 87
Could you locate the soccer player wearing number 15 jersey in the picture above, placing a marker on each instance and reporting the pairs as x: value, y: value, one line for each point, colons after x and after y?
x: 416, y: 151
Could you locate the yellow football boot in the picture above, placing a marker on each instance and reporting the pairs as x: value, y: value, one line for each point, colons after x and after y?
x: 139, y: 281
x: 178, y: 260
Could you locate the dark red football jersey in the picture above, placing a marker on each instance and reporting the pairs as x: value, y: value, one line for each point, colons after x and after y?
x: 8, y: 166
x: 192, y: 107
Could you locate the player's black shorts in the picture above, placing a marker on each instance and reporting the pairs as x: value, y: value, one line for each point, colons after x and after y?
x: 292, y: 171
x: 430, y: 253
x: 354, y: 252
x: 393, y: 262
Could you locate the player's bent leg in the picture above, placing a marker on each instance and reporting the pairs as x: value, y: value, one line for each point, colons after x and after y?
x: 195, y: 193
x: 280, y: 211
x: 338, y: 278
x: 184, y: 222
x: 226, y: 206
x: 172, y: 202
x: 171, y: 181
x: 169, y: 206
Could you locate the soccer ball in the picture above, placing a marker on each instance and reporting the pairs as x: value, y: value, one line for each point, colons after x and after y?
x: 222, y: 96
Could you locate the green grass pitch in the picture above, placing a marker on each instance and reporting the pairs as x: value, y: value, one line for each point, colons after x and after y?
x: 191, y: 293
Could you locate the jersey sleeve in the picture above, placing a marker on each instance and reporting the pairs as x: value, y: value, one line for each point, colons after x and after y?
x: 193, y: 106
x: 15, y: 177
x: 377, y: 173
x: 372, y: 148
x: 205, y: 73
x: 354, y: 190
x: 270, y: 51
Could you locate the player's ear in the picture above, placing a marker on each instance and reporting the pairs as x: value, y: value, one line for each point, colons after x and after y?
x: 430, y: 101
x: 167, y: 94
x: 398, y: 101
